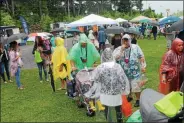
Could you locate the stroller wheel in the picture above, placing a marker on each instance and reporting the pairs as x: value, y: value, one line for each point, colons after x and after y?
x: 90, y: 113
x: 80, y: 105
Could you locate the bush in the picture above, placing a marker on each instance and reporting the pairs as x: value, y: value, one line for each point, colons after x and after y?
x: 6, y: 19
x: 45, y: 23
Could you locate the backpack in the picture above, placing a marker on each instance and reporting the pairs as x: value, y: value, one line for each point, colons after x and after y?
x: 47, y: 44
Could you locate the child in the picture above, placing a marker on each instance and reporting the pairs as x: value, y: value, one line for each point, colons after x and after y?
x: 15, y: 63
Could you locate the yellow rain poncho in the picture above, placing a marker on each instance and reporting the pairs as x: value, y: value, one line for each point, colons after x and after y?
x: 59, y: 58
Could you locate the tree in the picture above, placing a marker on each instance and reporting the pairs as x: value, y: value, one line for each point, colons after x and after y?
x: 6, y: 19
x: 124, y: 6
x: 139, y: 5
x: 45, y: 23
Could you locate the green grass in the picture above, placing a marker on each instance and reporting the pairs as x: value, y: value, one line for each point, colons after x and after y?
x: 29, y: 43
x: 37, y: 103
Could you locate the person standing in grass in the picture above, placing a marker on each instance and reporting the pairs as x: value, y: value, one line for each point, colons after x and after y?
x: 40, y: 57
x: 1, y: 64
x: 83, y: 54
x: 5, y: 61
x: 172, y: 68
x: 61, y: 66
x: 131, y: 58
x: 154, y: 31
x: 15, y: 63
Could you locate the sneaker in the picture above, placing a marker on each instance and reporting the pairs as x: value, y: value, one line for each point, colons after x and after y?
x: 5, y: 82
x: 41, y: 81
x: 21, y: 88
x: 129, y: 99
x: 10, y: 81
x: 47, y: 80
x: 136, y: 103
x: 59, y: 89
x: 66, y: 93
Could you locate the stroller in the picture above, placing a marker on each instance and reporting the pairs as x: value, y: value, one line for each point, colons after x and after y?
x: 83, y: 84
x: 149, y: 113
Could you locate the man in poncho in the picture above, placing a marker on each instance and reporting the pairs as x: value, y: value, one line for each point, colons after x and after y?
x: 61, y: 66
x: 83, y: 54
x: 131, y: 58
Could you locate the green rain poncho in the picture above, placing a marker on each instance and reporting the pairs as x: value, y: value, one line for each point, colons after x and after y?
x: 89, y: 53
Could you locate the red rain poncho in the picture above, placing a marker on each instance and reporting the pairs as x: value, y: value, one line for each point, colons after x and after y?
x: 173, y: 66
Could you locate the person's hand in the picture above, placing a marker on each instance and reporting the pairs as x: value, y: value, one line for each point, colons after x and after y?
x: 143, y: 70
x: 142, y: 83
x: 74, y: 68
x: 123, y: 47
x: 118, y: 57
x: 61, y: 68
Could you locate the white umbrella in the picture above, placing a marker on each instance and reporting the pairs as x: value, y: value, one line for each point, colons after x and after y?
x: 120, y: 20
x: 33, y: 35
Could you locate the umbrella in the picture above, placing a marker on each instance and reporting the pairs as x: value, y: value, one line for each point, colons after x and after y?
x: 52, y: 78
x: 170, y: 19
x: 72, y: 31
x: 153, y: 23
x: 133, y: 30
x: 144, y: 20
x: 32, y: 36
x: 15, y: 37
x: 114, y: 30
x: 177, y: 26
x: 126, y: 24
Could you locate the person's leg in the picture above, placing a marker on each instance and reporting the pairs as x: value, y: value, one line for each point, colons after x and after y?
x: 103, y: 46
x: 137, y: 94
x: 108, y: 114
x: 40, y: 71
x: 100, y: 46
x: 2, y: 73
x: 45, y: 71
x: 6, y: 66
x: 63, y: 83
x: 119, y: 114
x: 17, y: 76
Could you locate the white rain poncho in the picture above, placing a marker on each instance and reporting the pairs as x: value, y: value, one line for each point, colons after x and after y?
x: 129, y: 59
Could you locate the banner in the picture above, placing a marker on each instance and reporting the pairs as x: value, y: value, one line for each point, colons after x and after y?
x: 24, y: 24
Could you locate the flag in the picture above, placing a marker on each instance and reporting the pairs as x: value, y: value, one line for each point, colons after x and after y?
x: 24, y: 24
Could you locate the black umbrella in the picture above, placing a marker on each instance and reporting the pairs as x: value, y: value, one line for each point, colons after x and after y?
x: 153, y: 23
x: 132, y: 30
x: 114, y: 30
x: 177, y: 26
x: 52, y: 78
x: 15, y: 37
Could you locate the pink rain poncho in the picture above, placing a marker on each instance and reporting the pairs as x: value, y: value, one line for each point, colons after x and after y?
x: 173, y: 67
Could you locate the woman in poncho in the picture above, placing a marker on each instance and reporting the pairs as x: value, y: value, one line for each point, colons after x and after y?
x: 61, y: 66
x: 131, y: 58
x: 172, y: 68
x: 83, y: 54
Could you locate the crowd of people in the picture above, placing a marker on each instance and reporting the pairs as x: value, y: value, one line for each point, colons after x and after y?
x: 122, y: 67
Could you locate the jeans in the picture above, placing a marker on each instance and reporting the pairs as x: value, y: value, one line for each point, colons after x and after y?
x: 155, y: 36
x: 40, y: 66
x: 17, y: 77
x: 6, y: 66
x: 2, y: 72
x: 101, y: 46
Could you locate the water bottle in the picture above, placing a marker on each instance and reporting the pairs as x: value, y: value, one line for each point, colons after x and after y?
x: 143, y: 79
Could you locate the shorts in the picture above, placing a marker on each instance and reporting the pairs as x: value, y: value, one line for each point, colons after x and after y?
x: 169, y: 43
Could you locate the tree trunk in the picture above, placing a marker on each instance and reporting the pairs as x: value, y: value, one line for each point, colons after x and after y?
x: 40, y: 7
x: 73, y: 7
x: 7, y: 6
x: 68, y: 4
x: 79, y: 9
x: 12, y: 7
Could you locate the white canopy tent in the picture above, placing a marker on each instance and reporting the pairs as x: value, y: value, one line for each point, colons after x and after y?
x: 119, y: 20
x: 92, y: 19
x: 137, y: 19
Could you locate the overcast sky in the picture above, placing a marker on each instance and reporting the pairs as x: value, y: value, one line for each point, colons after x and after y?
x: 161, y: 6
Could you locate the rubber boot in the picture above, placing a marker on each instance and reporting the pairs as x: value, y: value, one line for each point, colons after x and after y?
x: 119, y: 117
x: 91, y: 104
x: 100, y: 106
